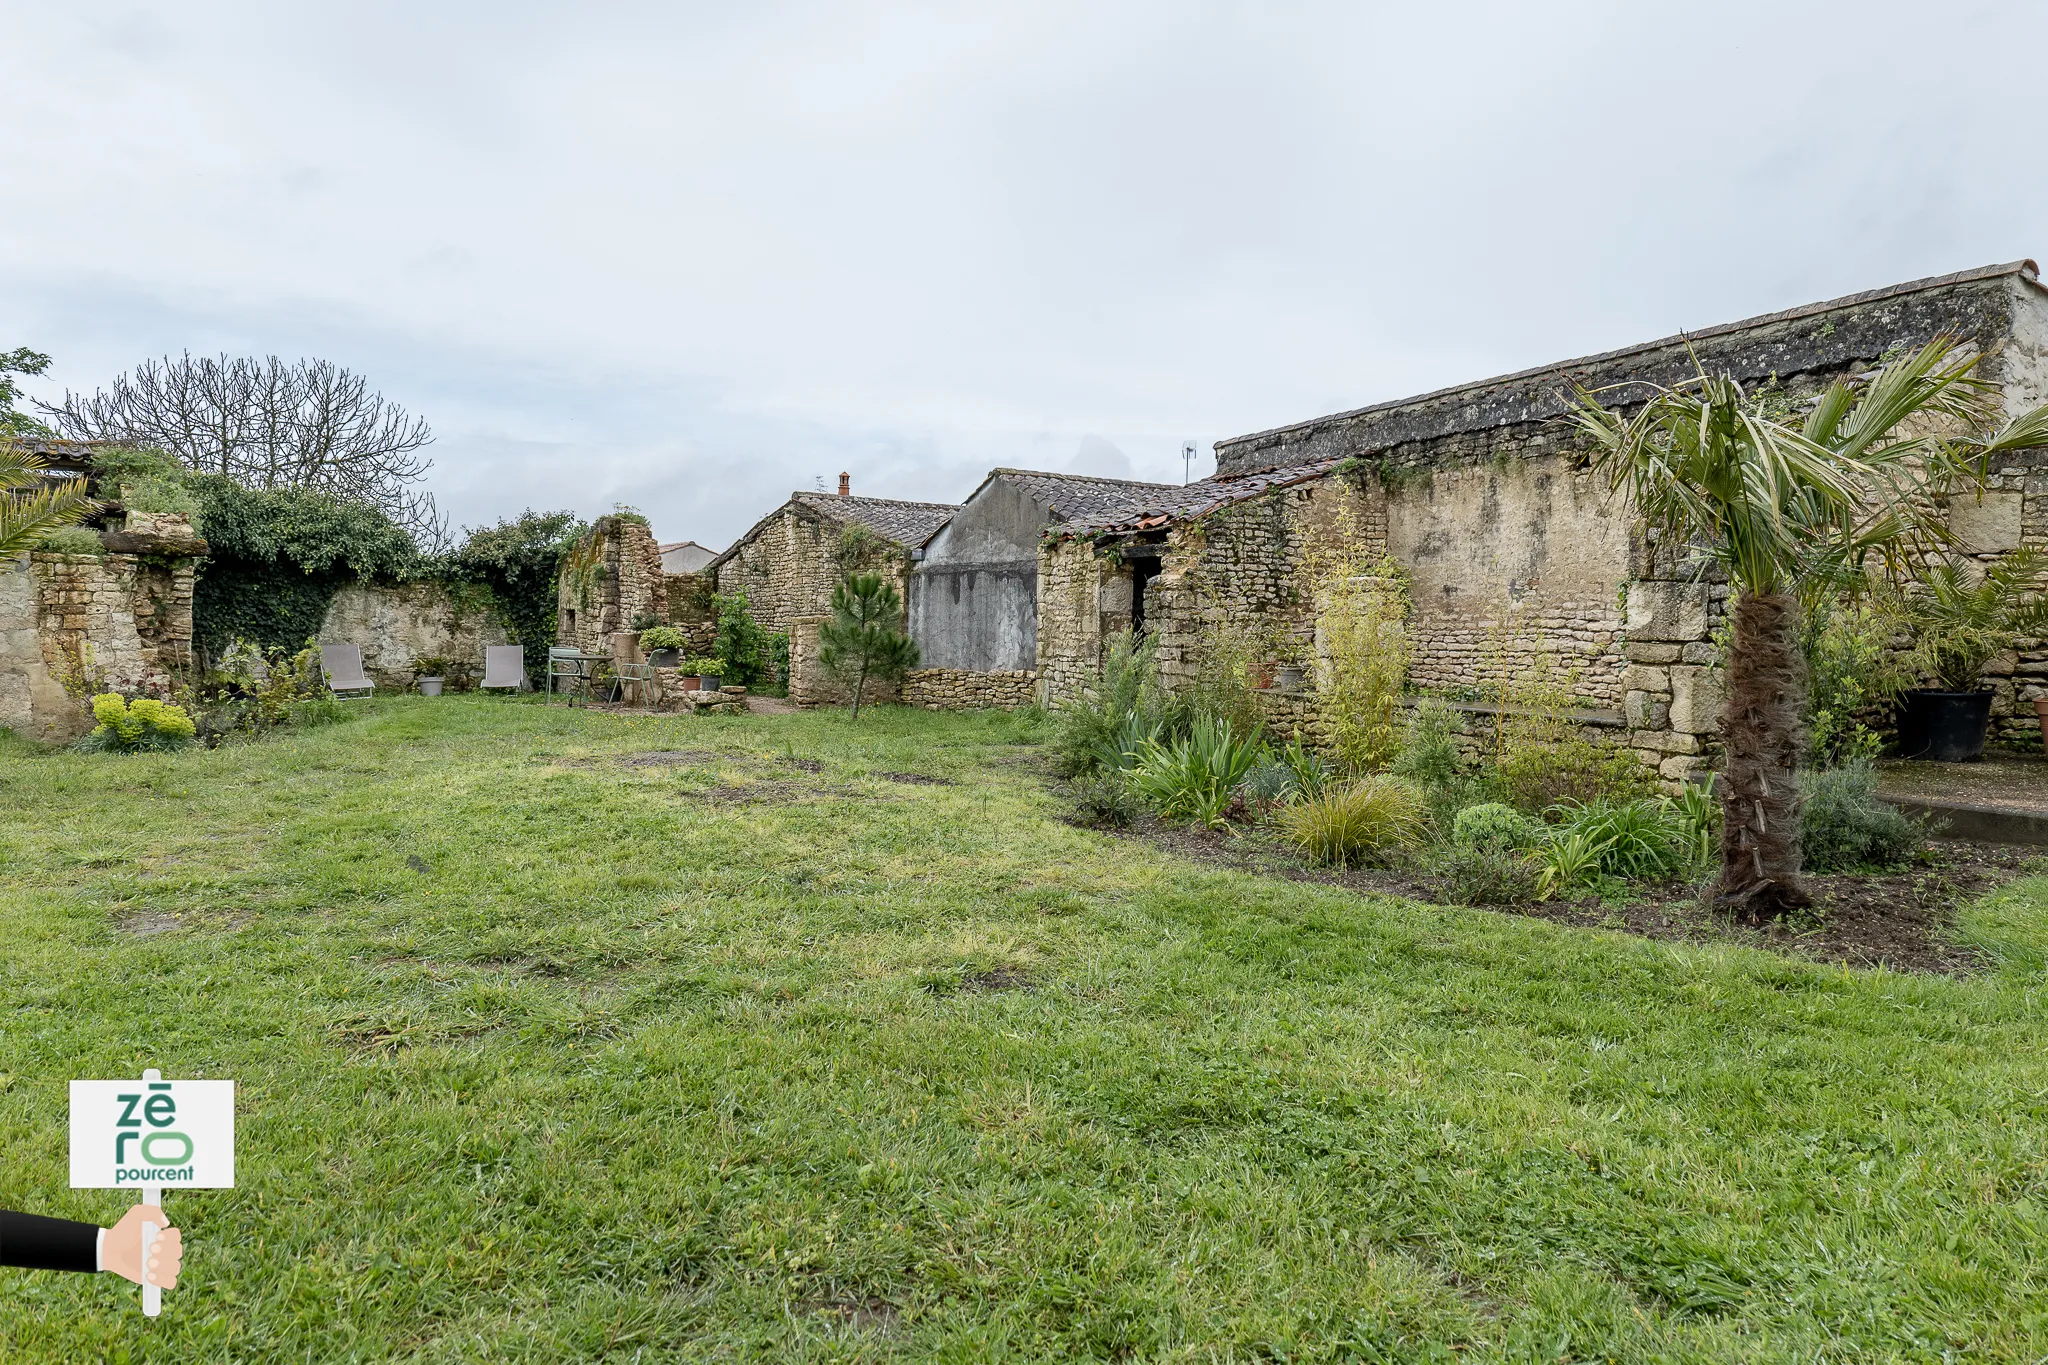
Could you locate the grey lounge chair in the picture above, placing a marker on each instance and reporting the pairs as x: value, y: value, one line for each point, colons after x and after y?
x: 504, y: 666
x: 342, y: 667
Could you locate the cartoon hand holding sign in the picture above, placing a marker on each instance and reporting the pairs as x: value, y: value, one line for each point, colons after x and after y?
x: 145, y: 1135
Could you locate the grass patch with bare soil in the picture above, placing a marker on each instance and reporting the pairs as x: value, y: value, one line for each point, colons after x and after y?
x: 875, y: 1070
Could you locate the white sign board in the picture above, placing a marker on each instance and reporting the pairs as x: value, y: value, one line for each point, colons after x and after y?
x: 168, y: 1135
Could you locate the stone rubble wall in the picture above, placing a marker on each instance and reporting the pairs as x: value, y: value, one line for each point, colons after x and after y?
x: 608, y: 578
x: 691, y: 610
x: 960, y: 689
x: 810, y: 684
x: 396, y: 625
x: 89, y: 623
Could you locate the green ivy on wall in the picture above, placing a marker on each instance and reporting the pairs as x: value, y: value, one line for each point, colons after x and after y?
x: 516, y: 562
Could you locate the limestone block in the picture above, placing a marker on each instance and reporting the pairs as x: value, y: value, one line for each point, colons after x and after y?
x: 1988, y: 525
x: 1666, y: 610
x: 1645, y: 710
x: 1700, y: 652
x: 1647, y: 678
x: 1697, y: 696
x: 1685, y: 768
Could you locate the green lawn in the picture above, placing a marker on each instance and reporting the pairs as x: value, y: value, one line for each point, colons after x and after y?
x: 548, y: 1057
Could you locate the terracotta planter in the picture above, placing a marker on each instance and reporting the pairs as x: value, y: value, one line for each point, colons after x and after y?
x: 689, y: 682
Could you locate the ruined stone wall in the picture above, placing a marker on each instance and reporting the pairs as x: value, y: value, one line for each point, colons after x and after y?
x: 610, y: 577
x: 1083, y: 598
x: 810, y: 684
x: 692, y: 611
x: 396, y: 625
x: 93, y: 623
x: 789, y: 566
x: 961, y: 689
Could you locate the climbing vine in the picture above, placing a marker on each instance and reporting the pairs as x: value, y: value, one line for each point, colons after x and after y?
x: 516, y: 562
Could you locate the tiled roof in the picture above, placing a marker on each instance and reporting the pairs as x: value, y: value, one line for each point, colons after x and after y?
x: 1184, y: 502
x: 1080, y: 495
x: 906, y: 523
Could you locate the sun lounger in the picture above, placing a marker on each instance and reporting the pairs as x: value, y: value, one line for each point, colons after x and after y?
x: 342, y: 667
x: 504, y: 666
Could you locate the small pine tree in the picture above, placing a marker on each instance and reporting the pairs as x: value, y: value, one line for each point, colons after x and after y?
x: 864, y: 638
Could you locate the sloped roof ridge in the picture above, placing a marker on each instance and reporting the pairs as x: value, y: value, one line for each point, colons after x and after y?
x: 1080, y: 478
x: 2025, y: 268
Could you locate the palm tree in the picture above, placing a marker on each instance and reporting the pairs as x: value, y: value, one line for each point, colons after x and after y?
x: 26, y: 516
x: 1783, y: 508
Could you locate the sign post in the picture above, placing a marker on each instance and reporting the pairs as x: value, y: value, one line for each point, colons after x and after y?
x: 148, y: 1135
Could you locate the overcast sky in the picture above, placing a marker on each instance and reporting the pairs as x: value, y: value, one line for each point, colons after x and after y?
x: 689, y: 257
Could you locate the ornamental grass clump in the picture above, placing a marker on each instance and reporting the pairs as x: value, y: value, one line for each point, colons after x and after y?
x: 144, y: 725
x: 1368, y: 820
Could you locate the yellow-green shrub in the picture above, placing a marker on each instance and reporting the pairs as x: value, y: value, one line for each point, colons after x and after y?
x: 143, y: 724
x: 1363, y: 821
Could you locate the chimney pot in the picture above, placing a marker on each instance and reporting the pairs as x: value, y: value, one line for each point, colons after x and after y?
x: 845, y: 484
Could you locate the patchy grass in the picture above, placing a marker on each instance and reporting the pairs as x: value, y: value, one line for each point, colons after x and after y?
x: 554, y: 1050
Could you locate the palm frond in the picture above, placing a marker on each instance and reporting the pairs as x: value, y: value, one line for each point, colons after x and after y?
x: 26, y: 516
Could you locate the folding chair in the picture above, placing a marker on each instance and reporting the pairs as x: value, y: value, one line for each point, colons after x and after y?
x: 504, y: 666
x: 635, y: 681
x: 342, y: 668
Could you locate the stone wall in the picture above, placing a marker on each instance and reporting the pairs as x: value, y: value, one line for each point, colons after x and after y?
x: 609, y: 578
x: 397, y: 625
x: 73, y: 624
x: 961, y: 689
x: 691, y: 609
x: 1084, y: 597
x: 810, y: 684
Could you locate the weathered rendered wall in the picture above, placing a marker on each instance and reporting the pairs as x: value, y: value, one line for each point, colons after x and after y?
x: 397, y: 625
x: 977, y: 617
x: 1511, y: 566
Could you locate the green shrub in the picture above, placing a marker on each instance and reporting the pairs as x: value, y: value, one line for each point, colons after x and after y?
x: 1698, y: 814
x: 742, y: 646
x: 1485, y: 874
x: 1538, y: 776
x: 1640, y: 840
x: 1269, y: 785
x: 1497, y: 826
x: 1367, y: 820
x: 143, y: 725
x: 1845, y: 826
x: 71, y: 540
x: 1311, y: 772
x: 662, y: 637
x: 1088, y: 731
x: 1103, y: 800
x: 160, y: 494
x: 1196, y: 776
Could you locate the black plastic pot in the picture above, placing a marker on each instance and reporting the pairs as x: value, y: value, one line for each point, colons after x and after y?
x: 710, y: 682
x: 1945, y: 727
x: 664, y: 658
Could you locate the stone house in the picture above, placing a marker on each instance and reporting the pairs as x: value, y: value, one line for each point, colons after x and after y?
x: 972, y: 596
x: 1517, y: 561
x: 791, y: 559
x: 685, y: 556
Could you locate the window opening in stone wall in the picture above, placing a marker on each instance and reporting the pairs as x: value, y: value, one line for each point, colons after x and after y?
x: 1143, y: 571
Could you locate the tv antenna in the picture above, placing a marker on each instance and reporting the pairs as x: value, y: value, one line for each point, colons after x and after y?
x: 1187, y: 461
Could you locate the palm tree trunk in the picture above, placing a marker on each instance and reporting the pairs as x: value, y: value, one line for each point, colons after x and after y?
x: 1761, y: 727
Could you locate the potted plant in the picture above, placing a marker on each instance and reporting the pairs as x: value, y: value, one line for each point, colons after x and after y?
x: 709, y: 672
x: 663, y: 645
x: 430, y: 672
x: 1964, y: 614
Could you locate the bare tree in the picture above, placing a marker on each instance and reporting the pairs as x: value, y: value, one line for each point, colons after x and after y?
x: 266, y: 424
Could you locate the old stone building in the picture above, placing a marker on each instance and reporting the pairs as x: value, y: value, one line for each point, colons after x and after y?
x: 791, y: 559
x: 1517, y: 561
x: 973, y: 587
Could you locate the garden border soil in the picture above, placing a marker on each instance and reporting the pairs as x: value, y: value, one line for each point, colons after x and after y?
x: 1901, y: 920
